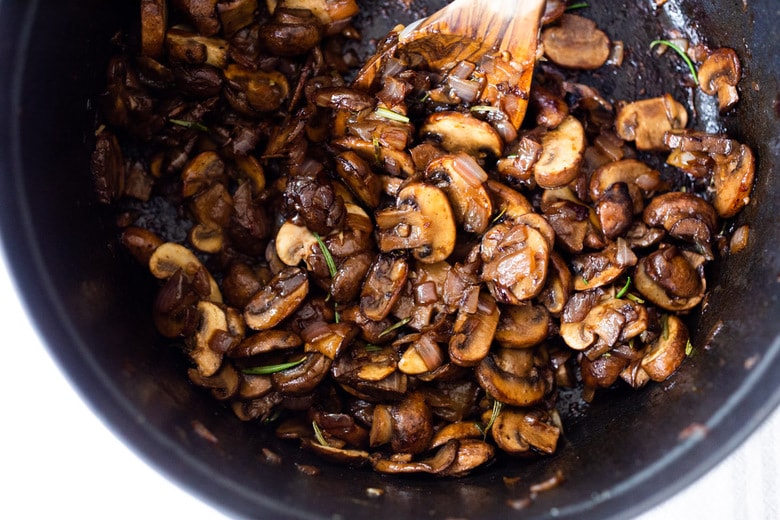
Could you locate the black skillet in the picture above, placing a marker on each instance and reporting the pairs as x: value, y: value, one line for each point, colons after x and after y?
x: 621, y: 455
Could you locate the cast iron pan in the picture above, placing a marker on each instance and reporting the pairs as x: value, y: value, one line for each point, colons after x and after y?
x: 622, y: 454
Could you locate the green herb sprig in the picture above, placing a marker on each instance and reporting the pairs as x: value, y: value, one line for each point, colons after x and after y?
x: 272, y: 369
x: 395, y: 326
x: 318, y: 434
x: 578, y: 5
x: 391, y: 115
x: 622, y: 292
x: 676, y: 48
x: 497, y: 406
x: 189, y: 124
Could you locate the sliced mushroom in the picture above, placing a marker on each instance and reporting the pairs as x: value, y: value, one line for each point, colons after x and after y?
x: 141, y: 243
x: 562, y: 150
x: 684, y: 216
x: 719, y: 75
x: 195, y: 49
x: 253, y: 91
x: 516, y: 377
x: 204, y: 170
x: 615, y: 210
x: 462, y: 179
x: 473, y: 333
x: 291, y: 32
x: 646, y: 121
x: 212, y: 321
x: 639, y: 178
x: 458, y: 430
x: 515, y: 262
x: 459, y: 132
x: 601, y: 268
x: 666, y: 354
x: 407, y: 426
x: 439, y: 462
x: 670, y: 280
x: 349, y: 457
x: 170, y: 257
x: 559, y: 285
x: 154, y: 23
x: 472, y: 453
x: 383, y: 284
x: 734, y: 175
x: 294, y: 244
x: 525, y: 431
x: 422, y: 221
x: 508, y: 202
x: 303, y: 378
x: 202, y: 14
x: 277, y: 300
x: 695, y: 141
x: 601, y: 372
x: 423, y: 355
x: 523, y: 326
x: 264, y: 342
x: 223, y: 385
x: 576, y: 43
x: 356, y: 173
x: 606, y: 324
x: 234, y: 15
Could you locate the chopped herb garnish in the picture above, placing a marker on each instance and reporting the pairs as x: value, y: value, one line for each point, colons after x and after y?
x: 391, y: 115
x: 634, y: 298
x: 395, y: 326
x: 585, y: 281
x: 676, y: 48
x: 622, y: 292
x: 189, y: 124
x: 318, y: 434
x: 336, y: 316
x: 425, y: 97
x: 326, y: 254
x: 484, y: 108
x: 370, y: 347
x: 272, y: 369
x: 498, y: 217
x: 578, y: 5
x: 497, y: 406
x: 688, y: 348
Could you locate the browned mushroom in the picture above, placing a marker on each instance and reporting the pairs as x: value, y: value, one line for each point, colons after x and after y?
x: 719, y: 75
x: 562, y: 150
x: 356, y: 173
x: 462, y: 179
x: 601, y: 268
x: 640, y: 180
x: 576, y: 43
x: 264, y: 342
x: 407, y: 426
x: 253, y: 91
x: 141, y: 243
x: 382, y: 286
x: 684, y: 216
x: 523, y: 326
x: 234, y: 15
x: 734, y: 176
x: 646, y: 121
x: 525, y: 431
x: 518, y: 377
x: 666, y: 354
x: 459, y: 132
x: 606, y: 324
x: 291, y: 32
x: 277, y: 300
x: 473, y: 333
x: 223, y: 385
x: 212, y: 321
x: 515, y: 262
x: 304, y: 377
x: 671, y: 279
x: 423, y: 355
x: 422, y: 221
x: 558, y: 287
x: 202, y: 14
x: 444, y: 457
x: 154, y: 24
x: 196, y: 49
x: 471, y: 454
x: 171, y: 257
x: 329, y: 339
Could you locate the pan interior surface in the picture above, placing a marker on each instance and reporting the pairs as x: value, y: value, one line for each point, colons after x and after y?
x: 620, y: 455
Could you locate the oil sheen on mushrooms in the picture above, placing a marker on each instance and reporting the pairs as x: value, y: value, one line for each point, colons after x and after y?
x: 391, y: 272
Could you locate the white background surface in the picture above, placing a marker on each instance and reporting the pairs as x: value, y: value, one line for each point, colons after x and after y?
x: 59, y: 461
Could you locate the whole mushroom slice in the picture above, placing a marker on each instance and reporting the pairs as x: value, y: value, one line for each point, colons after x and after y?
x: 458, y: 430
x: 407, y: 426
x: 195, y: 49
x: 559, y: 285
x: 303, y: 378
x: 684, y: 216
x: 666, y: 354
x: 212, y: 321
x: 277, y: 300
x: 647, y: 120
x: 669, y: 279
x: 349, y: 457
x: 472, y: 453
x: 523, y: 326
x: 294, y: 244
x: 444, y: 457
x: 517, y: 377
x: 562, y: 152
x: 611, y: 321
x: 357, y: 174
x: 202, y: 14
x: 695, y: 141
x: 252, y: 91
x: 719, y: 75
x: 507, y: 202
x: 640, y: 180
x: 170, y: 257
x: 223, y: 384
x: 734, y: 175
x: 592, y: 270
x: 154, y: 23
x: 515, y: 262
x: 460, y: 132
x: 329, y: 339
x: 525, y: 431
x: 386, y: 278
x: 462, y: 179
x: 473, y: 333
x: 422, y: 222
x: 576, y: 43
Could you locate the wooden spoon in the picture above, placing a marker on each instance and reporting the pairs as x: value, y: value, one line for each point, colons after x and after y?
x: 499, y: 36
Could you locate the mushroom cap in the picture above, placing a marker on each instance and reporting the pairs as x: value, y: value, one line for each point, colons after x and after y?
x: 719, y: 74
x: 666, y: 354
x: 277, y: 300
x: 514, y: 376
x: 576, y: 43
x: 640, y: 179
x: 646, y: 121
x: 460, y: 132
x: 734, y: 176
x: 562, y: 150
x: 668, y: 279
x: 462, y: 179
x: 473, y: 333
x: 170, y: 257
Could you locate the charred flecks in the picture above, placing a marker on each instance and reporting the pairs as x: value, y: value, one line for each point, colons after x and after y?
x: 391, y: 271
